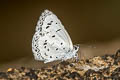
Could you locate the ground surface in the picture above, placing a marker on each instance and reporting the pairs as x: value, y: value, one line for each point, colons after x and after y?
x: 106, y: 67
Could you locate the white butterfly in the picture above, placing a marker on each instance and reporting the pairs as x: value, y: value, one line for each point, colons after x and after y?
x: 51, y: 41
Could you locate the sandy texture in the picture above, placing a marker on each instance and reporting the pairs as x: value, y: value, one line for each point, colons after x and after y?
x: 105, y: 67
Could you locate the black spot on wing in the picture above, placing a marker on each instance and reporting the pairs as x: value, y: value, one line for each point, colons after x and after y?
x: 42, y: 18
x: 56, y: 48
x: 36, y: 50
x: 47, y: 27
x: 50, y: 56
x: 61, y: 43
x: 45, y: 44
x: 40, y: 34
x: 47, y: 32
x: 35, y: 45
x: 58, y: 30
x: 45, y: 54
x: 68, y: 50
x: 49, y: 23
x: 40, y: 28
x: 53, y: 36
x: 47, y: 49
x: 45, y: 40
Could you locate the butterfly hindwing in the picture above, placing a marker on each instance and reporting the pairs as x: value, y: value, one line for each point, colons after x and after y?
x: 51, y: 40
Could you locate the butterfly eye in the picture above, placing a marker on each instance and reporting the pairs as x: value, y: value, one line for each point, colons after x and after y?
x: 75, y: 48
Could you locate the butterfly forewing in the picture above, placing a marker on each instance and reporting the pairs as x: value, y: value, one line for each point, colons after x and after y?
x: 50, y: 41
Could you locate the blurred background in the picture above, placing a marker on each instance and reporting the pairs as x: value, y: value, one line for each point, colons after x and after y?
x: 93, y: 24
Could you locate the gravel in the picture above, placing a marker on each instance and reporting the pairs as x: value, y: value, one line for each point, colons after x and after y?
x: 105, y: 67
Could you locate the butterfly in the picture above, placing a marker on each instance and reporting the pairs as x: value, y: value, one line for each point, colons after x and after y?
x: 51, y: 41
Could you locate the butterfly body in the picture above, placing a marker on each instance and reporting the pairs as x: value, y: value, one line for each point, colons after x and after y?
x: 51, y: 41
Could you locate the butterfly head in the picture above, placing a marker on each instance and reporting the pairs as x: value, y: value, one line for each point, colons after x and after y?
x: 76, y: 48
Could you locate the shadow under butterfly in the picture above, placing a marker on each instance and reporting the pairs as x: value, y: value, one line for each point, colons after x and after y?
x: 51, y: 41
